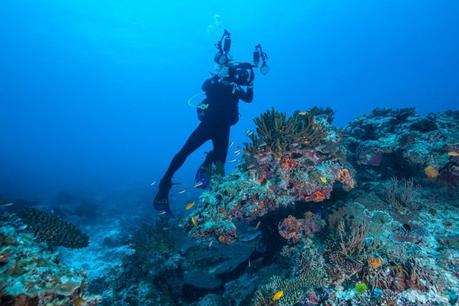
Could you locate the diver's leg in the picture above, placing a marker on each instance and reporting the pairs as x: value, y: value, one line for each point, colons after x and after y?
x: 220, y: 141
x: 199, y: 136
x: 202, y: 177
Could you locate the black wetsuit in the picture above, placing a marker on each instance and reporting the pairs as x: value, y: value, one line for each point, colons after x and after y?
x: 222, y: 113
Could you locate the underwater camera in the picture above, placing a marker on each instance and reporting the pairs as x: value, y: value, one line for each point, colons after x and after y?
x: 240, y: 73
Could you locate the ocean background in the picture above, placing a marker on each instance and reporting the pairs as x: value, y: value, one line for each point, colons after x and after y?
x: 93, y: 94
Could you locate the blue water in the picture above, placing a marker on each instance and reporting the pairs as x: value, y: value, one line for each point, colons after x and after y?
x: 93, y: 93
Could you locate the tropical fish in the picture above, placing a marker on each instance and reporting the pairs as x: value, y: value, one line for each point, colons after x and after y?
x: 6, y: 204
x: 22, y: 227
x: 453, y: 154
x: 189, y: 205
x: 277, y: 296
x: 198, y: 184
x: 431, y: 172
x: 210, y: 243
x: 232, y: 160
x: 153, y: 183
x: 323, y: 179
x: 182, y: 191
x: 262, y: 145
x: 249, y: 264
x: 258, y: 225
x: 162, y: 212
x: 302, y: 113
x: 194, y: 221
x: 231, y: 144
x: 249, y: 132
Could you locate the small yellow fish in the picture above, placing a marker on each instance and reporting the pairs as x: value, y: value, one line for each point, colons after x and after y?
x: 302, y: 113
x: 189, y: 205
x: 453, y: 154
x: 323, y: 179
x: 431, y: 172
x: 277, y: 296
x: 193, y: 220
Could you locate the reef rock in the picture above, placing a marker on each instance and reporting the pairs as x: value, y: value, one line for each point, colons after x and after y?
x: 400, y: 142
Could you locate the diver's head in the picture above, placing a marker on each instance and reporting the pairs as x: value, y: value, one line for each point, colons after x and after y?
x: 223, y: 72
x: 241, y: 74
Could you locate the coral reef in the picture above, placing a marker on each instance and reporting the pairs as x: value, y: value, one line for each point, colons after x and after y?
x: 282, y: 229
x: 402, y: 143
x: 290, y: 159
x: 31, y: 275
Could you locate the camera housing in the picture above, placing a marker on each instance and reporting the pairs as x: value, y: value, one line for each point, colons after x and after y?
x: 241, y: 73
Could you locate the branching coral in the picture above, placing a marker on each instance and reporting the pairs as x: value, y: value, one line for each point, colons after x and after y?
x: 308, y: 272
x: 352, y: 238
x: 402, y: 195
x: 53, y: 230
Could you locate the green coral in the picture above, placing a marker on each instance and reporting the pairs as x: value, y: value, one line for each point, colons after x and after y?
x: 276, y: 132
x: 361, y: 288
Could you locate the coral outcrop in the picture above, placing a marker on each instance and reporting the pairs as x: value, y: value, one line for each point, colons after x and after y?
x: 31, y: 275
x: 289, y: 159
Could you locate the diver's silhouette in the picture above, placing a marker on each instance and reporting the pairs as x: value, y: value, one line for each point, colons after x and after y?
x: 218, y: 112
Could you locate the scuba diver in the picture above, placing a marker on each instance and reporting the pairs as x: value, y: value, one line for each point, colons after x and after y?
x: 217, y: 113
